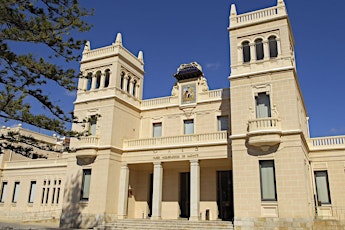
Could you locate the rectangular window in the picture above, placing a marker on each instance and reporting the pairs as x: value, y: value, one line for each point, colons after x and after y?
x: 188, y: 126
x: 53, y: 196
x: 322, y: 187
x: 57, y: 195
x: 15, y: 192
x: 43, y: 193
x: 157, y: 129
x: 3, y: 192
x: 32, y: 192
x: 263, y: 105
x: 85, y: 187
x: 92, y: 125
x: 223, y: 123
x: 47, y: 196
x: 268, y: 181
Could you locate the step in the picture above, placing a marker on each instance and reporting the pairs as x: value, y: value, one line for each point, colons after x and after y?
x: 165, y: 224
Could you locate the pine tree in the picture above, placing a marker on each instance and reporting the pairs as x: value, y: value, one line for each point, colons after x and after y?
x: 24, y: 75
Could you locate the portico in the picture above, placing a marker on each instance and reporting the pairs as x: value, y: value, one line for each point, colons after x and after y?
x: 172, y: 190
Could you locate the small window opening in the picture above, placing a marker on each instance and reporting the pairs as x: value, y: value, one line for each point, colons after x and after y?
x: 259, y: 48
x: 272, y: 43
x: 246, y: 51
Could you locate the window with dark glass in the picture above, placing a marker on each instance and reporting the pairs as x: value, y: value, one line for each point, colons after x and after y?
x: 267, y: 180
x: 98, y: 79
x: 223, y: 123
x: 32, y: 192
x: 263, y: 105
x: 134, y: 87
x: 322, y: 187
x: 122, y: 80
x: 85, y: 187
x: 107, y: 78
x: 259, y: 48
x: 188, y: 126
x: 92, y: 125
x: 89, y: 81
x: 157, y: 129
x: 246, y: 51
x: 128, y: 84
x: 273, y: 47
x: 3, y: 192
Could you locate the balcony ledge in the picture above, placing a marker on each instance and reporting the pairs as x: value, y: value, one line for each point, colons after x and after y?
x: 264, y: 132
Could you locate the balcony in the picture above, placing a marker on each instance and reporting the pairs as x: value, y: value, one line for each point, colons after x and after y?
x: 264, y: 132
x: 215, y: 138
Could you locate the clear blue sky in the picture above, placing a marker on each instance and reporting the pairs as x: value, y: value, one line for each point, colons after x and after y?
x: 174, y: 32
x: 181, y: 31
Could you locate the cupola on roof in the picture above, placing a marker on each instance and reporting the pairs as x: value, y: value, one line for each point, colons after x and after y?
x: 188, y: 71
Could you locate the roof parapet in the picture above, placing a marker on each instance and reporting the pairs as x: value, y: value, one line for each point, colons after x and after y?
x: 240, y: 20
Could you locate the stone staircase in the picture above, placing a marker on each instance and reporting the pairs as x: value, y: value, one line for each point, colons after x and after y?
x: 143, y: 224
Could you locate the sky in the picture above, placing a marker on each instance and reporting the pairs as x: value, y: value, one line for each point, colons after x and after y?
x: 171, y: 33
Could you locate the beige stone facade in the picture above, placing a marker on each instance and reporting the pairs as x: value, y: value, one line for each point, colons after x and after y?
x: 240, y: 154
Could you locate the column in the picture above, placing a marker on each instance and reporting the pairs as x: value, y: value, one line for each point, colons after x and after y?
x: 194, y: 190
x: 85, y: 82
x: 125, y: 82
x: 279, y: 48
x: 157, y: 191
x: 93, y: 81
x: 101, y: 86
x: 131, y: 85
x: 252, y: 52
x: 137, y: 93
x: 266, y: 50
x: 123, y: 192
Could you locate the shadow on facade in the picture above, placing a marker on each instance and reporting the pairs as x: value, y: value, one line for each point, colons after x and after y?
x: 71, y: 212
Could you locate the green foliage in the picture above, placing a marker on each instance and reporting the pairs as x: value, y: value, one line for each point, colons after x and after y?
x: 24, y: 76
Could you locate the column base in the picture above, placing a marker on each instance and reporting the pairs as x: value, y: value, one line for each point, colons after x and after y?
x: 156, y: 218
x: 193, y: 218
x: 121, y: 217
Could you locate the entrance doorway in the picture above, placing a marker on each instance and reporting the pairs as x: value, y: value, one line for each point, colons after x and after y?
x: 224, y: 195
x: 185, y: 194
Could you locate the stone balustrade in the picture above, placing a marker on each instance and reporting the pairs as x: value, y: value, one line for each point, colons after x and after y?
x: 162, y: 101
x: 171, y: 141
x: 262, y: 124
x: 327, y: 142
x: 85, y: 142
x: 256, y: 16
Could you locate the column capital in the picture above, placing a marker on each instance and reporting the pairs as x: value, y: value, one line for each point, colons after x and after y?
x: 194, y: 162
x: 157, y: 163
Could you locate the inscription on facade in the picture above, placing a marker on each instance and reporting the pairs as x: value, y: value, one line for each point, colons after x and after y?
x: 172, y: 157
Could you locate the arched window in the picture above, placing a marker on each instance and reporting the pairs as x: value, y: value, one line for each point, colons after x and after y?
x: 98, y: 79
x: 128, y: 84
x: 89, y: 81
x: 107, y: 78
x: 134, y: 87
x: 272, y: 43
x: 259, y: 48
x: 246, y: 51
x: 122, y: 80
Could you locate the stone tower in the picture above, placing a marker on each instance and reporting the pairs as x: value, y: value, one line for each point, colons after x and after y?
x: 108, y: 99
x: 268, y: 120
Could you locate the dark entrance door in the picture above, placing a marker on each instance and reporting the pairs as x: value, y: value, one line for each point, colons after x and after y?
x: 185, y: 194
x: 150, y: 194
x: 224, y: 195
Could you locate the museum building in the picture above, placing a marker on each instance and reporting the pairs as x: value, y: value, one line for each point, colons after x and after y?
x: 241, y: 154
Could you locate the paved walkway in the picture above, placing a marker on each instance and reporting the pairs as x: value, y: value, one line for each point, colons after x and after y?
x: 9, y: 225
